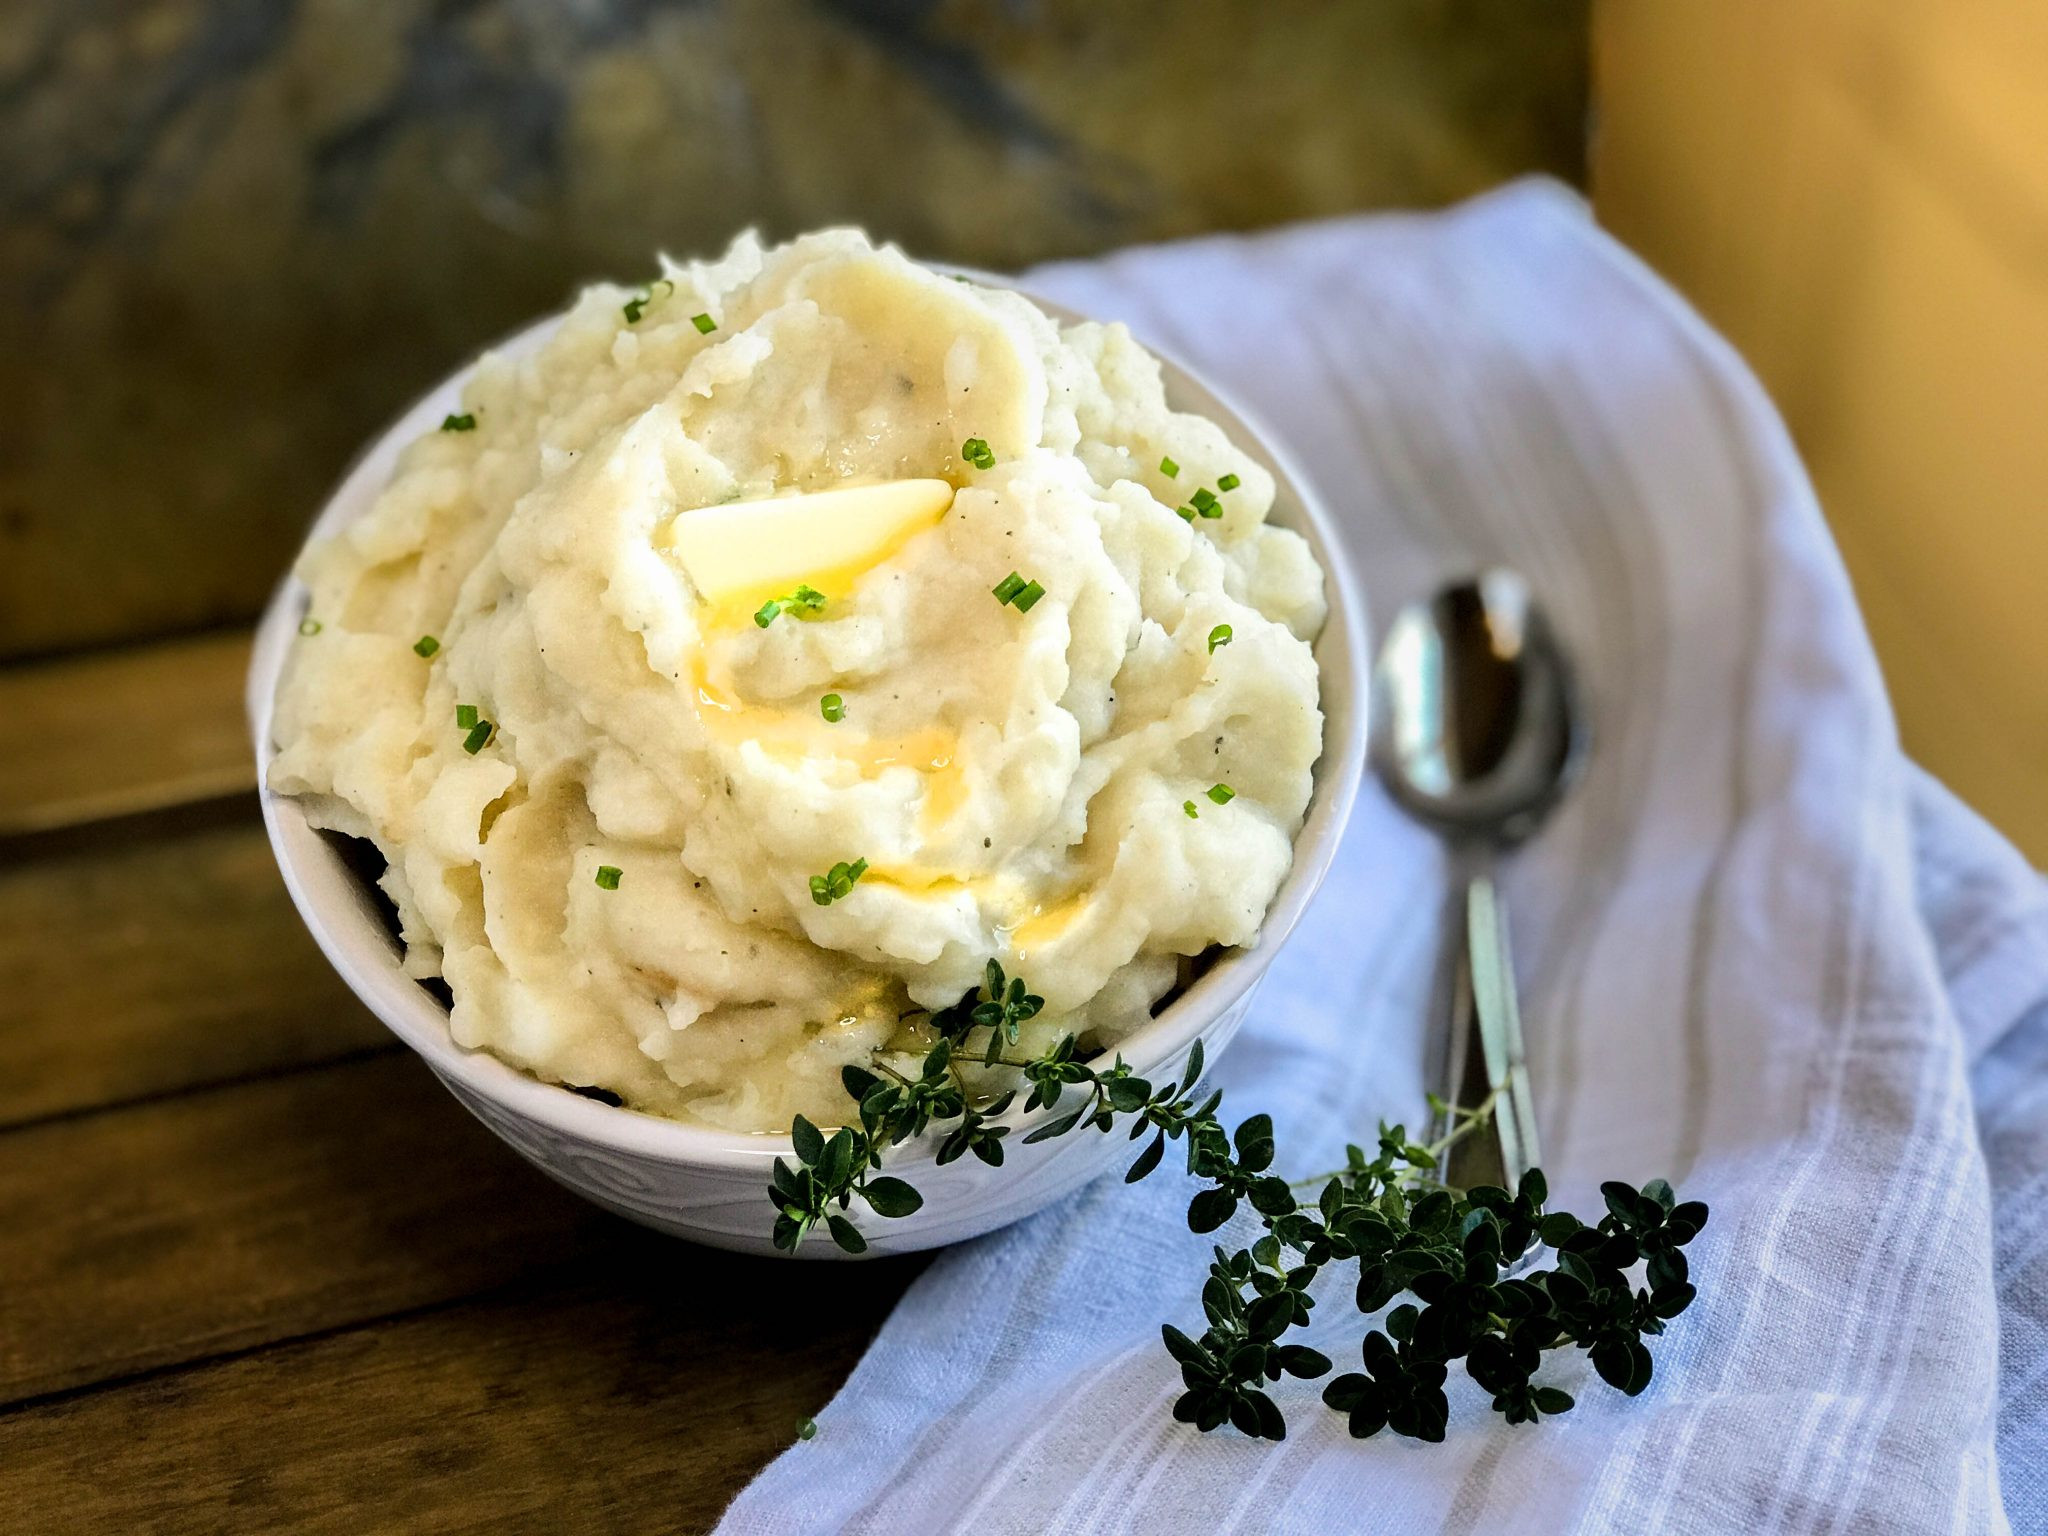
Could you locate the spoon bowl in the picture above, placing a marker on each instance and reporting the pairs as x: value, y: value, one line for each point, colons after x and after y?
x: 1476, y: 728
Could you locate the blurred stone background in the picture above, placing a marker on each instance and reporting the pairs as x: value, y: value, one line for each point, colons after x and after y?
x: 238, y: 235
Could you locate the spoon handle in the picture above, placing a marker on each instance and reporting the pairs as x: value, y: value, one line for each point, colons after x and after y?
x: 1500, y: 1026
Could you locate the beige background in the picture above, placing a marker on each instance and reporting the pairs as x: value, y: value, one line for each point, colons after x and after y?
x: 1857, y: 194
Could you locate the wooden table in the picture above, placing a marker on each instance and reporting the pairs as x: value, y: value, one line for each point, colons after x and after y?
x: 258, y: 1271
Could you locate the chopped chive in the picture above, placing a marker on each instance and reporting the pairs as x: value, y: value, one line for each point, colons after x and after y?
x: 836, y: 882
x: 479, y: 734
x: 309, y: 626
x: 808, y: 1428
x: 608, y: 876
x: 1168, y: 468
x: 1222, y: 794
x: 832, y: 707
x: 1220, y: 635
x: 466, y: 422
x: 976, y: 452
x: 1189, y: 807
x: 704, y: 323
x: 1204, y: 501
x: 1013, y: 588
x: 1228, y: 483
x: 465, y: 716
x: 426, y: 645
x: 804, y: 599
x: 636, y: 306
x: 1187, y: 513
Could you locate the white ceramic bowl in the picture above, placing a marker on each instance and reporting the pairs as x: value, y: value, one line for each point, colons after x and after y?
x: 710, y: 1185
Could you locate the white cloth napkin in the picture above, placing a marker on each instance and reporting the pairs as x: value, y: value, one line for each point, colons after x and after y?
x: 1761, y: 956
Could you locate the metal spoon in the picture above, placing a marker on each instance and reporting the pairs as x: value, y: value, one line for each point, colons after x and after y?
x: 1477, y: 735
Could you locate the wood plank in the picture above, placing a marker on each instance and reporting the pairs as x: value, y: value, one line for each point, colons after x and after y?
x: 639, y: 1402
x: 220, y: 1221
x: 146, y: 968
x: 621, y: 1413
x: 112, y: 734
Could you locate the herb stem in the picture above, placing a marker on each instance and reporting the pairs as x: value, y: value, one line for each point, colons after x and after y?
x: 881, y: 1065
x: 1457, y: 1253
x: 1469, y: 1120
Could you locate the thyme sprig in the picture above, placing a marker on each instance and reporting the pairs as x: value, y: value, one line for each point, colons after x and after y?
x: 1387, y: 1213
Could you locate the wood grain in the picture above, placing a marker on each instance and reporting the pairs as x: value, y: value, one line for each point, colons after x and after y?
x: 638, y: 1399
x: 145, y: 968
x: 87, y: 738
x: 233, y: 1218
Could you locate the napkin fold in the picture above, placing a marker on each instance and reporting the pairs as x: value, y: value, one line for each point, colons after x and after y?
x: 1761, y: 955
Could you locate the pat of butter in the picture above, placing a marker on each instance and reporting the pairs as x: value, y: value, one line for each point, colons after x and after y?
x: 742, y: 553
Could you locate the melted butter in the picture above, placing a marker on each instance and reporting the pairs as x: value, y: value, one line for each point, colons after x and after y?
x: 945, y: 791
x: 1045, y: 924
x: 790, y: 737
x: 921, y: 879
x: 736, y: 609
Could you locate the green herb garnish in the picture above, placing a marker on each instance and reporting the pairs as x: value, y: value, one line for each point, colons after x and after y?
x: 466, y: 422
x: 465, y: 716
x: 806, y: 1429
x: 1189, y: 807
x: 836, y: 882
x: 1222, y: 794
x: 976, y: 452
x: 1387, y: 1213
x: 832, y: 707
x: 1228, y: 483
x: 803, y: 600
x: 1000, y: 1007
x: 1187, y: 513
x: 1205, y: 503
x: 426, y: 645
x: 478, y: 737
x: 608, y: 876
x: 636, y: 306
x: 704, y: 323
x: 1015, y: 591
x: 1220, y: 635
x: 1168, y: 468
x: 309, y: 626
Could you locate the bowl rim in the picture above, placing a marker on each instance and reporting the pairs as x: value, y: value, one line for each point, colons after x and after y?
x: 339, y: 913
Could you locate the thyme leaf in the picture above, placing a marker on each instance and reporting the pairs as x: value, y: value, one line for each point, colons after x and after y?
x: 1383, y: 1212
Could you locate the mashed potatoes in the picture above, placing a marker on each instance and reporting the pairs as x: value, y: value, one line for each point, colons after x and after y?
x: 613, y: 797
